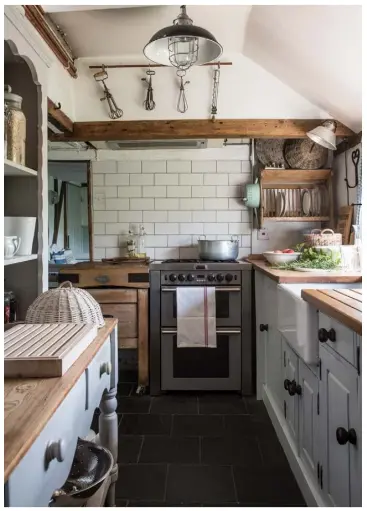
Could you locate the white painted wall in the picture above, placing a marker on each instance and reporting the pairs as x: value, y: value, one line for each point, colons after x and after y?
x: 60, y: 88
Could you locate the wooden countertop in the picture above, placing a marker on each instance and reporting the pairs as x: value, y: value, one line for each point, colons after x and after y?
x: 344, y: 305
x: 293, y: 277
x: 29, y: 403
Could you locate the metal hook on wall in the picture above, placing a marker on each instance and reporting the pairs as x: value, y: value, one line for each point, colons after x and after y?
x: 182, y: 104
x: 356, y: 155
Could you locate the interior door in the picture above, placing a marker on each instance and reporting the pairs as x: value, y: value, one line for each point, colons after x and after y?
x: 290, y: 402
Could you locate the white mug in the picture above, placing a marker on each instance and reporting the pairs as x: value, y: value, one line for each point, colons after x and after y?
x: 11, y: 246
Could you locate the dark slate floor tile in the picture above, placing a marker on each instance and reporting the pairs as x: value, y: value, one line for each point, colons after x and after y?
x: 128, y: 376
x: 121, y: 503
x: 124, y: 389
x: 272, y: 452
x: 170, y: 450
x: 256, y: 408
x: 175, y: 404
x: 222, y: 403
x: 239, y: 425
x: 145, y: 424
x: 129, y: 448
x: 197, y: 483
x: 143, y: 503
x: 198, y: 425
x: 141, y: 482
x: 230, y: 451
x: 136, y: 404
x: 267, y: 486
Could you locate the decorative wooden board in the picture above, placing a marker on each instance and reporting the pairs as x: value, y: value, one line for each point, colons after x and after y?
x: 44, y: 350
x: 344, y: 223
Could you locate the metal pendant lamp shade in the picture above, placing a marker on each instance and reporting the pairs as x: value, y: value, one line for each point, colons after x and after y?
x: 324, y: 135
x: 182, y: 44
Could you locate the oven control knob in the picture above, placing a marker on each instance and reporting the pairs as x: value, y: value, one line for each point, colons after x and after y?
x: 211, y: 277
x: 229, y: 277
x: 181, y: 277
x: 172, y: 277
x: 190, y: 277
x: 220, y: 277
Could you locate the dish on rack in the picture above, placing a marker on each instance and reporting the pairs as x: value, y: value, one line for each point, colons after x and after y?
x: 306, y: 203
x: 280, y: 204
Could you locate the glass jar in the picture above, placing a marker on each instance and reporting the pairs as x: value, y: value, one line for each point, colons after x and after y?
x: 6, y: 308
x: 15, y: 127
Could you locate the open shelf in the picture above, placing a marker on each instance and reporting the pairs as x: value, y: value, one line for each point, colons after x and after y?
x: 19, y: 259
x: 15, y: 169
x: 284, y: 177
x: 297, y: 218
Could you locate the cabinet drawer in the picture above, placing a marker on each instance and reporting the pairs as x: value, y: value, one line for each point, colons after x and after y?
x: 345, y: 343
x: 126, y: 313
x: 114, y: 295
x: 99, y: 375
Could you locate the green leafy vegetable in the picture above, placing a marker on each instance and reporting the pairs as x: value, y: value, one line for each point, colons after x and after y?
x: 313, y: 259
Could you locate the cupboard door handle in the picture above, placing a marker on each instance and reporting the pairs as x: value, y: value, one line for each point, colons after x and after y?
x: 294, y: 388
x: 343, y: 436
x: 264, y: 328
x: 323, y: 335
x: 286, y: 384
x: 331, y: 335
x: 55, y: 450
x: 105, y: 368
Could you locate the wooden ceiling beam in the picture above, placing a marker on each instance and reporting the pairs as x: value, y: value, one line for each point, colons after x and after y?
x: 194, y: 128
x: 62, y: 121
x: 349, y: 143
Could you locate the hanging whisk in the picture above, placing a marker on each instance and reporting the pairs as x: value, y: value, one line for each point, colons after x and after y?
x: 149, y: 103
x: 182, y: 104
x: 216, y: 77
x: 115, y: 111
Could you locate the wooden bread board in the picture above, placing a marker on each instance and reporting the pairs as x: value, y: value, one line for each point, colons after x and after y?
x: 345, y: 223
x: 44, y: 350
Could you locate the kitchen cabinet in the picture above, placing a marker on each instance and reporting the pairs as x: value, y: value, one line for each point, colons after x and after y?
x: 291, y: 390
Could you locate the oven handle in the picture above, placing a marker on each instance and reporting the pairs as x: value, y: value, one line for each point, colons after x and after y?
x: 236, y: 331
x: 224, y: 289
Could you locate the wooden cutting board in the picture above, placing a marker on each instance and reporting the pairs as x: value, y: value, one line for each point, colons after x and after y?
x: 44, y: 350
x: 344, y: 223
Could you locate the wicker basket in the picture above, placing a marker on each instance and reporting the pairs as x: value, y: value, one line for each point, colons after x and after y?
x: 325, y: 238
x: 304, y: 154
x: 66, y: 304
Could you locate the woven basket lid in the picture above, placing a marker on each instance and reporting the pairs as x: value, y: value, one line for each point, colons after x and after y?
x: 270, y: 151
x: 66, y: 304
x: 303, y: 153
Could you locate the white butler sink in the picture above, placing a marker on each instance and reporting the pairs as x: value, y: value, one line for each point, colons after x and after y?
x: 297, y: 319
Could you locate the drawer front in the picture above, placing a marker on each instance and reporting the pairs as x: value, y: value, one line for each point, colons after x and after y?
x: 99, y: 375
x: 114, y: 295
x: 345, y: 341
x: 126, y: 313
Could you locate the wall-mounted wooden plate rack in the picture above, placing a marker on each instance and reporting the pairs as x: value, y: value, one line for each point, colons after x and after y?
x: 283, y: 193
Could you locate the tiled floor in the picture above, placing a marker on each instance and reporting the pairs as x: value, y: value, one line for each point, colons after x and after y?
x: 199, y: 450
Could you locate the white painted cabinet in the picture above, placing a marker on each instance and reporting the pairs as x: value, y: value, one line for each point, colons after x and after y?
x: 291, y: 390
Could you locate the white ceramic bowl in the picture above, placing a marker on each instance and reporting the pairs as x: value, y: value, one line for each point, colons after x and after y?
x: 274, y: 258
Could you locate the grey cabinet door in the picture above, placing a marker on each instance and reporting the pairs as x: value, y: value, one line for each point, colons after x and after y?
x: 341, y: 464
x: 290, y: 373
x: 308, y: 419
x: 261, y: 335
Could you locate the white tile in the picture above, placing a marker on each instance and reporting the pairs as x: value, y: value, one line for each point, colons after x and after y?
x: 104, y: 167
x: 117, y: 228
x: 204, y: 191
x: 116, y: 179
x: 130, y: 216
x: 167, y: 253
x: 246, y: 216
x: 179, y: 167
x: 192, y: 204
x: 239, y: 228
x: 204, y: 167
x: 246, y: 241
x: 216, y: 179
x: 99, y: 228
x: 155, y: 216
x: 98, y: 180
x: 166, y: 228
x: 229, y: 166
x: 239, y: 179
x: 178, y: 191
x: 129, y: 167
x: 246, y: 166
x: 235, y: 204
x: 166, y: 204
x: 179, y: 216
x: 154, y: 191
x: 189, y: 253
x: 105, y: 241
x: 155, y: 241
x: 106, y: 191
x: 216, y: 228
x: 105, y: 216
x: 191, y: 179
x: 141, y: 204
x: 204, y: 216
x: 150, y: 252
x: 243, y: 253
x: 191, y: 228
x: 99, y: 253
x: 180, y: 241
x: 154, y: 167
x: 229, y: 216
x: 166, y: 179
x: 215, y: 203
x: 118, y: 204
x: 129, y: 191
x: 148, y: 226
x: 114, y: 252
x: 99, y: 202
x: 213, y: 237
x: 141, y: 179
x: 230, y: 191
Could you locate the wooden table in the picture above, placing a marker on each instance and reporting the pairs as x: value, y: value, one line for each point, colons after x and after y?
x: 344, y: 305
x: 43, y: 418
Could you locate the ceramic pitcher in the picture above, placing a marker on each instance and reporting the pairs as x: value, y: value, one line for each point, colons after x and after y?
x: 11, y: 246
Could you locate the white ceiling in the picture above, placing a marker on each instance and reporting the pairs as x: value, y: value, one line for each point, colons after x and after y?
x: 70, y: 8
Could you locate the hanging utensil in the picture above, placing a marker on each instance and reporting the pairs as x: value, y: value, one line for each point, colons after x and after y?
x: 149, y: 103
x: 115, y: 111
x: 182, y: 104
x: 216, y: 77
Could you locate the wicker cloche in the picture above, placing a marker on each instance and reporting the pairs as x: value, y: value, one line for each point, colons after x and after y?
x: 66, y: 304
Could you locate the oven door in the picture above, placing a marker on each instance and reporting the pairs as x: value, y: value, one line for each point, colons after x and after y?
x: 201, y: 368
x: 227, y: 305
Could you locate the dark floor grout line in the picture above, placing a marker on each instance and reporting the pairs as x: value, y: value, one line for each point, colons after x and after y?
x: 141, y: 448
x: 234, y: 485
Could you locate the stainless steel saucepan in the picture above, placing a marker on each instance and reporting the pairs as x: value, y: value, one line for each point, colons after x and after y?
x: 210, y: 250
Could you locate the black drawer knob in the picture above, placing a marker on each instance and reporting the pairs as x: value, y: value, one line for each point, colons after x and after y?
x: 331, y: 335
x: 343, y: 436
x: 286, y: 384
x: 323, y: 335
x: 294, y: 388
x: 264, y: 328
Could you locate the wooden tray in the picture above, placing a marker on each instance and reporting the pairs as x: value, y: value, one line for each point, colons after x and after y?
x: 45, y: 350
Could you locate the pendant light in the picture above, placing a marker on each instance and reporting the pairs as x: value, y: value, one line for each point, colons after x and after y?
x: 182, y: 44
x: 324, y: 135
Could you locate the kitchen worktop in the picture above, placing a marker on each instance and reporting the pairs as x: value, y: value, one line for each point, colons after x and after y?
x: 293, y: 277
x: 29, y: 403
x: 344, y: 305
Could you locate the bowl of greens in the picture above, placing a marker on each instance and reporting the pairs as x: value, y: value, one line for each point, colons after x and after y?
x: 313, y: 259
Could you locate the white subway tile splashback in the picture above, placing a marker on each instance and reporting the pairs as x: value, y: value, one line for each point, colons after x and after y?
x: 246, y: 166
x: 130, y: 216
x: 105, y: 216
x: 192, y: 204
x: 229, y: 216
x: 243, y: 253
x: 246, y: 241
x: 239, y: 228
x: 104, y: 167
x: 105, y: 241
x: 129, y: 191
x: 179, y: 191
x: 189, y: 252
x: 167, y: 228
x: 129, y: 167
x: 98, y: 180
x: 99, y: 203
x: 180, y: 240
x: 155, y: 241
x: 216, y: 179
x: 178, y: 167
x: 228, y: 191
x: 142, y: 179
x: 154, y: 191
x: 167, y: 253
x: 118, y: 204
x: 116, y: 179
x: 166, y: 204
x: 204, y: 191
x: 180, y: 216
x: 246, y: 216
x: 239, y: 179
x: 204, y: 216
x: 191, y: 228
x: 99, y: 228
x: 114, y: 252
x: 150, y: 252
x: 117, y: 228
x: 99, y: 253
x: 215, y: 203
x: 154, y: 167
x: 107, y: 191
x: 204, y: 167
x: 235, y: 204
x: 215, y: 228
x: 155, y: 216
x: 166, y: 179
x: 191, y: 179
x: 141, y: 204
x: 229, y: 166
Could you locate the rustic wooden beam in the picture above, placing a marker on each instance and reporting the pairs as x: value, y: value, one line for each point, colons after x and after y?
x: 349, y: 143
x: 194, y: 128
x: 61, y: 119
